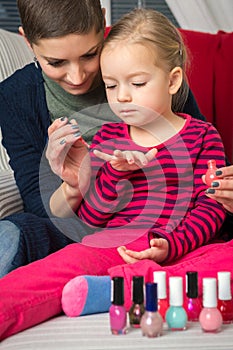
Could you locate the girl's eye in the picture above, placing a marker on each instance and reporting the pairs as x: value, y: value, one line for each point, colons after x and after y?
x: 110, y: 86
x: 139, y: 84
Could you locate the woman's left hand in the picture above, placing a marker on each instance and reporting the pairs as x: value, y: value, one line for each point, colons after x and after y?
x: 222, y: 189
x: 158, y: 252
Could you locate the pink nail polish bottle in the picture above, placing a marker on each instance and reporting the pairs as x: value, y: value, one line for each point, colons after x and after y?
x: 151, y: 321
x: 117, y: 312
x: 210, y: 175
x: 137, y: 309
x: 160, y: 278
x: 192, y: 305
x: 225, y: 303
x: 210, y: 317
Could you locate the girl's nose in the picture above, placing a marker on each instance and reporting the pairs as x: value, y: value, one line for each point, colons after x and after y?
x: 123, y: 95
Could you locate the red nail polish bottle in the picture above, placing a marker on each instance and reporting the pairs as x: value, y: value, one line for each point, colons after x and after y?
x: 210, y: 175
x: 160, y: 279
x: 225, y: 302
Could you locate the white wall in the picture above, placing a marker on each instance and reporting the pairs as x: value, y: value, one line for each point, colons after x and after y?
x: 107, y: 5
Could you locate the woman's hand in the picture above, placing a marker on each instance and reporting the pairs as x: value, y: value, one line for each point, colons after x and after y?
x: 69, y: 158
x: 222, y: 188
x: 127, y: 160
x: 158, y: 252
x: 67, y: 154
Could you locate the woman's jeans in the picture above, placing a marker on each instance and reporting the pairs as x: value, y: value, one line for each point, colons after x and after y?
x: 9, y: 242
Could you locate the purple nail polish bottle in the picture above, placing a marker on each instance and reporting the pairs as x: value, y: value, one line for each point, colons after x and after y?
x: 137, y: 309
x: 193, y: 305
x: 117, y: 312
x: 151, y: 321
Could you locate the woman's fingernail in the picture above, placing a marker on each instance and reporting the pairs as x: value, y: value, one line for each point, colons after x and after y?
x: 210, y: 191
x: 77, y: 134
x: 62, y: 119
x: 218, y: 172
x: 215, y: 184
x: 74, y: 127
x: 62, y: 141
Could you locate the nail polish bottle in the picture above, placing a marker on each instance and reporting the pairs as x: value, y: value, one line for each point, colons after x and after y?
x: 210, y: 175
x: 137, y: 309
x: 151, y: 321
x: 192, y: 305
x: 210, y: 317
x: 160, y: 279
x: 225, y: 303
x: 176, y: 316
x: 117, y: 312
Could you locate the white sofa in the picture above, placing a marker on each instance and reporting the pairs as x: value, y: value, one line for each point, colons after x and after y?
x: 14, y: 54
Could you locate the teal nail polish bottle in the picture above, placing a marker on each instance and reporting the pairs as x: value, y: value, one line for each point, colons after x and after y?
x: 176, y: 316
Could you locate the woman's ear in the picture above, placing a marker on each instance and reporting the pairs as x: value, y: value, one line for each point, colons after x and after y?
x: 21, y: 32
x: 176, y: 78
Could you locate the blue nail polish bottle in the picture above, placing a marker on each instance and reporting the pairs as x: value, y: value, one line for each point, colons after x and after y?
x: 176, y: 316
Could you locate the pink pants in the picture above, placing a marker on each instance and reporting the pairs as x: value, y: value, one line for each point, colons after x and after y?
x: 32, y: 294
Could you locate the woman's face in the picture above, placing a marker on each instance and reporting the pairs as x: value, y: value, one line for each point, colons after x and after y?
x: 71, y: 61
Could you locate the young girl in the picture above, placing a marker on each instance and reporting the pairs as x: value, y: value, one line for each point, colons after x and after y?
x: 158, y: 153
x: 165, y: 201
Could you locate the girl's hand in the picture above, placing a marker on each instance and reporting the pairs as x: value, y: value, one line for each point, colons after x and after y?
x: 222, y: 191
x: 127, y: 160
x: 67, y: 154
x: 158, y: 252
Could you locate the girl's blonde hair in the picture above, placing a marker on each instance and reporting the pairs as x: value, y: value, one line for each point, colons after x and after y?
x: 152, y: 29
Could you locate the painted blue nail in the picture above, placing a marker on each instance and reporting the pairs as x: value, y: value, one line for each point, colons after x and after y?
x: 77, y: 134
x: 210, y: 191
x: 75, y: 127
x: 62, y: 141
x: 215, y: 184
x: 218, y: 172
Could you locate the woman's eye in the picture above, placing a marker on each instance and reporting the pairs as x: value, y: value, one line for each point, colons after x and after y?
x: 55, y: 63
x: 89, y: 56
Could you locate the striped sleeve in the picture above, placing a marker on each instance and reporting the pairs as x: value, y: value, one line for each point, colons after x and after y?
x: 204, y: 220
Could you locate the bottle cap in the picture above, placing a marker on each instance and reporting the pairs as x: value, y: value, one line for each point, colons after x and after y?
x: 192, y: 284
x: 176, y: 291
x: 209, y: 292
x: 211, y: 164
x: 138, y: 293
x: 224, y: 285
x: 160, y: 279
x: 151, y: 297
x: 118, y: 291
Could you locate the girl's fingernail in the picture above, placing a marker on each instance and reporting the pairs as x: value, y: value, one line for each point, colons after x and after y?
x: 62, y: 119
x: 218, y: 172
x: 215, y: 184
x: 210, y: 191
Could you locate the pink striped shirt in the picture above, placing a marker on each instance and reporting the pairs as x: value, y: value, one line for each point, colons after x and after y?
x: 166, y: 198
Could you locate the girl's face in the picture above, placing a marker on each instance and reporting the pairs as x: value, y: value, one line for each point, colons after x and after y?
x: 137, y: 90
x: 71, y: 61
